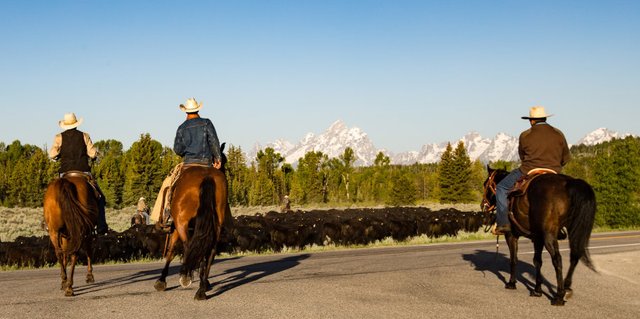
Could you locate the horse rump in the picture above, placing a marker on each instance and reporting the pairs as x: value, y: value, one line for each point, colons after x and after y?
x: 77, y: 224
x: 203, y: 239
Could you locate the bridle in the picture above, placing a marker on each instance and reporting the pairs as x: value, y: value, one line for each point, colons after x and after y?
x: 490, y: 185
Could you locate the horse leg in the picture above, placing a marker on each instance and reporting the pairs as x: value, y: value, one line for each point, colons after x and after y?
x: 538, y: 245
x: 90, y: 278
x: 551, y: 243
x: 62, y: 259
x: 512, y: 242
x: 213, y: 255
x: 183, y: 231
x: 161, y: 283
x: 69, y: 291
x: 204, y: 283
x: 568, y: 280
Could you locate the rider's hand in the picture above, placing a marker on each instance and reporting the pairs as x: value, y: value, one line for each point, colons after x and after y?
x: 217, y: 164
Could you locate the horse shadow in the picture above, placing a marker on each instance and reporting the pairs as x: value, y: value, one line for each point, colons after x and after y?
x: 498, y: 264
x: 236, y: 277
x: 140, y: 276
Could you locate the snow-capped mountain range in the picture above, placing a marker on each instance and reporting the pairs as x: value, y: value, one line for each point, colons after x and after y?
x: 338, y: 136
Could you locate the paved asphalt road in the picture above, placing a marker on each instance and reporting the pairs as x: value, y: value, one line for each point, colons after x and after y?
x: 460, y: 280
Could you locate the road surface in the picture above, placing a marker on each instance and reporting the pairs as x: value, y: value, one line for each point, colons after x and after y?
x: 458, y: 280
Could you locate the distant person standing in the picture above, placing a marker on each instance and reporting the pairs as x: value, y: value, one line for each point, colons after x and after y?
x: 73, y: 149
x: 541, y: 146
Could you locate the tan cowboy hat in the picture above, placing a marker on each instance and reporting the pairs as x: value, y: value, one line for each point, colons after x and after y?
x: 536, y: 112
x: 191, y: 106
x: 70, y: 121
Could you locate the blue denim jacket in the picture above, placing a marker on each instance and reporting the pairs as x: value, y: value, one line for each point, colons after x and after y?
x: 197, y: 142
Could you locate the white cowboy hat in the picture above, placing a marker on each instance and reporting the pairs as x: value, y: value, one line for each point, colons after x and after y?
x: 536, y: 112
x: 70, y: 121
x: 141, y: 199
x: 191, y: 106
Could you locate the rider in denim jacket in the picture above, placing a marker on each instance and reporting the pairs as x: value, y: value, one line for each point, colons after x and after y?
x: 197, y: 142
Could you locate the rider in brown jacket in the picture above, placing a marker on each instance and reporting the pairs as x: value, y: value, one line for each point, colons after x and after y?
x: 541, y: 146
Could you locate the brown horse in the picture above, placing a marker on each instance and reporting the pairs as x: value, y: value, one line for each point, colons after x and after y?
x: 70, y: 212
x: 199, y: 202
x: 552, y: 201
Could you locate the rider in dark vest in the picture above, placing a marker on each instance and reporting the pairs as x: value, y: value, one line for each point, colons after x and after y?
x: 541, y: 146
x: 73, y: 148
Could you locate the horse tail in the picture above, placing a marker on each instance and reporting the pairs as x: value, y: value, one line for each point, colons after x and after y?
x: 582, y: 212
x: 77, y: 223
x: 203, y: 239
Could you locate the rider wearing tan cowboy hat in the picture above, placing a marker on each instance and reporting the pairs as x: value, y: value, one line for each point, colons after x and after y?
x: 73, y: 148
x: 196, y: 142
x: 541, y: 146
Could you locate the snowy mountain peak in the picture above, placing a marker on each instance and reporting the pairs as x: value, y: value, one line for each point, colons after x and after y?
x: 339, y: 136
x: 600, y: 135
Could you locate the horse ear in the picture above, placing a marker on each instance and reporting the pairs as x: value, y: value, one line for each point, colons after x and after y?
x: 489, y: 168
x: 222, y: 146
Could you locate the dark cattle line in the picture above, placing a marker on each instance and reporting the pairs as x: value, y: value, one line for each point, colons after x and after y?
x: 271, y: 231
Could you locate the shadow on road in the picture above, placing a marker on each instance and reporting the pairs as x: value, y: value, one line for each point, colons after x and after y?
x: 147, y: 275
x: 236, y: 277
x: 497, y: 264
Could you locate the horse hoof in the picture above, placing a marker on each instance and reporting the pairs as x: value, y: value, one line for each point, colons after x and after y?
x: 90, y: 279
x: 185, y: 281
x: 558, y: 302
x: 200, y: 295
x: 69, y: 292
x: 160, y: 285
x: 534, y: 293
x: 510, y: 285
x: 568, y: 294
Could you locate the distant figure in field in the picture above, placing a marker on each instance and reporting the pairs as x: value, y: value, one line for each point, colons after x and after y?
x: 286, y: 204
x: 141, y: 216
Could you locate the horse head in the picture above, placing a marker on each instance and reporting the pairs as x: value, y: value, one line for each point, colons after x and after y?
x: 494, y: 176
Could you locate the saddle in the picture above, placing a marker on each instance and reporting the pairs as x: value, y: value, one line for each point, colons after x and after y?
x: 522, y: 184
x: 88, y: 177
x: 520, y: 189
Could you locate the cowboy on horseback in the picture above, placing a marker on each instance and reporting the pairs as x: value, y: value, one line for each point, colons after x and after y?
x: 540, y: 147
x: 197, y: 143
x: 73, y: 148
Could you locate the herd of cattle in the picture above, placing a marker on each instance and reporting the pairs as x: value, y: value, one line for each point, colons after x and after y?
x: 271, y: 231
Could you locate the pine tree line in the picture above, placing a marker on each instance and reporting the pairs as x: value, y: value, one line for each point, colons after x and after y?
x: 612, y: 168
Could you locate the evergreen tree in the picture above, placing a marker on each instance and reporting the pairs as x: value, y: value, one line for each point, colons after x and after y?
x: 403, y: 190
x: 462, y: 174
x: 143, y: 170
x: 237, y: 177
x: 446, y: 176
x: 617, y: 183
x: 108, y: 171
x: 311, y: 178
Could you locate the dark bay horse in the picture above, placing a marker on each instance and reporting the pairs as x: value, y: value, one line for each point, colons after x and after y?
x: 199, y: 203
x: 552, y: 201
x: 70, y: 212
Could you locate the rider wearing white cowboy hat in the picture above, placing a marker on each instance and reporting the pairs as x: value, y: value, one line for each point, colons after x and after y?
x: 73, y: 148
x: 196, y: 142
x: 541, y: 146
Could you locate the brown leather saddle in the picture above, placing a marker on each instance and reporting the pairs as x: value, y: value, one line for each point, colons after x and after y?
x: 520, y: 189
x: 87, y: 177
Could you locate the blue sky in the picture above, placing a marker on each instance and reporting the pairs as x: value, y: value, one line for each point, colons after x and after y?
x: 406, y: 72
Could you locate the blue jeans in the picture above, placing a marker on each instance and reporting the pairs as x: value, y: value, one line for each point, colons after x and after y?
x: 502, y: 190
